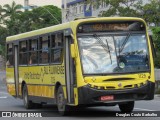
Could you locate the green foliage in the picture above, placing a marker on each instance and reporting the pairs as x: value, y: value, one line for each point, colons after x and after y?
x: 125, y: 8
x: 156, y: 39
x: 3, y: 33
x: 14, y: 21
x: 133, y: 8
x: 12, y: 11
x: 1, y: 18
x: 45, y: 16
x: 151, y: 12
x: 37, y: 18
x: 157, y: 61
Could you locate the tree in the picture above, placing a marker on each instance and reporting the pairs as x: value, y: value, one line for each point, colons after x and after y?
x: 156, y: 38
x: 1, y: 11
x: 25, y: 21
x: 14, y: 21
x: 10, y: 17
x: 3, y: 34
x: 46, y: 16
x: 151, y: 12
x: 125, y: 8
x: 12, y: 11
x: 39, y: 17
x: 134, y: 8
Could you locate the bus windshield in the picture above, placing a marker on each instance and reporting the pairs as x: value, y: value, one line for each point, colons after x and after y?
x: 107, y: 54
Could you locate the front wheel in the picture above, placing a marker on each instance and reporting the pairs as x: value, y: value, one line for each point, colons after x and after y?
x: 127, y: 107
x: 27, y: 103
x: 61, y: 102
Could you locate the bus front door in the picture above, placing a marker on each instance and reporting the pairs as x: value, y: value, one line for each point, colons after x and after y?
x: 16, y: 73
x: 69, y: 71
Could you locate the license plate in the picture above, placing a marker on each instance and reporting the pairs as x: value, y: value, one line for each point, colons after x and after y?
x: 107, y: 98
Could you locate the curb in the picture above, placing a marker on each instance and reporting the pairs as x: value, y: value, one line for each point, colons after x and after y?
x: 157, y: 95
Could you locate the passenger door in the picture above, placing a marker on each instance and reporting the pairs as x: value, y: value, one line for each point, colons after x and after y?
x: 16, y: 71
x: 69, y: 70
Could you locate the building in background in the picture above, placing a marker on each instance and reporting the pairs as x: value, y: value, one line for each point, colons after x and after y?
x: 72, y: 9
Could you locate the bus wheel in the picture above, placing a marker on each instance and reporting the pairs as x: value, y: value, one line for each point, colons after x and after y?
x: 61, y: 102
x: 37, y: 105
x: 27, y: 104
x: 127, y: 107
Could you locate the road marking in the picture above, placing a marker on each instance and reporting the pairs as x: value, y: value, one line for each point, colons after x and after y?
x: 156, y: 100
x: 3, y: 97
x: 141, y: 109
x: 144, y: 109
x: 4, y: 93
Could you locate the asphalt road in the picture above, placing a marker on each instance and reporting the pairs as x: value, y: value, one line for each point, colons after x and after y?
x: 8, y: 103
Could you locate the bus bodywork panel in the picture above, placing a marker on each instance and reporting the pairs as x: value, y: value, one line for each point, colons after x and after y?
x: 111, y: 19
x: 91, y: 87
x: 88, y: 88
x: 93, y: 96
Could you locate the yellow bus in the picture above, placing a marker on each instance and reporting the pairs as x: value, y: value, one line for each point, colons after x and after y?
x: 85, y: 62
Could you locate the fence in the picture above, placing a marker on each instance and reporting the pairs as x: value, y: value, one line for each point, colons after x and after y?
x: 157, y: 78
x: 157, y: 74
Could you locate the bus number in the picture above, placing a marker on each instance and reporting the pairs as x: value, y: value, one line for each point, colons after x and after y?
x: 142, y: 75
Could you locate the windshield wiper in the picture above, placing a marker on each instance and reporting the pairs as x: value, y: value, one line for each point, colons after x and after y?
x: 103, y: 45
x: 109, y: 51
x: 124, y: 43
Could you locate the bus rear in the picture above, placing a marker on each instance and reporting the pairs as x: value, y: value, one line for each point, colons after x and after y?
x: 114, y: 62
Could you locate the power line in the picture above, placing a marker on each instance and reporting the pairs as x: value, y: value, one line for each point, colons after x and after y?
x: 35, y: 6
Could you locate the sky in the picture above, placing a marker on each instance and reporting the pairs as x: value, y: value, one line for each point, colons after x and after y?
x: 34, y: 2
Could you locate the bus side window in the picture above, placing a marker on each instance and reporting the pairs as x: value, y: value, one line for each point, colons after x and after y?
x: 10, y: 59
x: 44, y: 49
x: 33, y: 51
x: 23, y: 53
x: 56, y: 48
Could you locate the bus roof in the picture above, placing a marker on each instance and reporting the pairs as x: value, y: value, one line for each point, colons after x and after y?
x: 37, y: 32
x: 63, y: 26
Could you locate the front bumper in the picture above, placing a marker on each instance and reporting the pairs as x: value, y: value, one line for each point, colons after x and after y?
x: 89, y: 95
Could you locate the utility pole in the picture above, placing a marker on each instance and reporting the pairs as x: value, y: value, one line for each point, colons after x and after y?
x: 26, y: 3
x: 65, y: 11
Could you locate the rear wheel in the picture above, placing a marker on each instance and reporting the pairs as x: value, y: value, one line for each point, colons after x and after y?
x: 37, y: 105
x: 127, y: 107
x: 27, y: 103
x: 63, y: 109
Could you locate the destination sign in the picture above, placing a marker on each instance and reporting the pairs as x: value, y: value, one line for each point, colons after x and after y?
x: 102, y: 27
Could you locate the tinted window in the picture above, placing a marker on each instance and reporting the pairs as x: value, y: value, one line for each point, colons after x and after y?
x: 56, y: 48
x: 23, y: 59
x: 44, y: 49
x: 33, y: 51
x: 10, y: 56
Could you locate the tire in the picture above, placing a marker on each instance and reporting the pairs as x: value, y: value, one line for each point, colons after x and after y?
x: 127, y: 107
x: 63, y: 109
x: 37, y: 105
x: 27, y: 103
